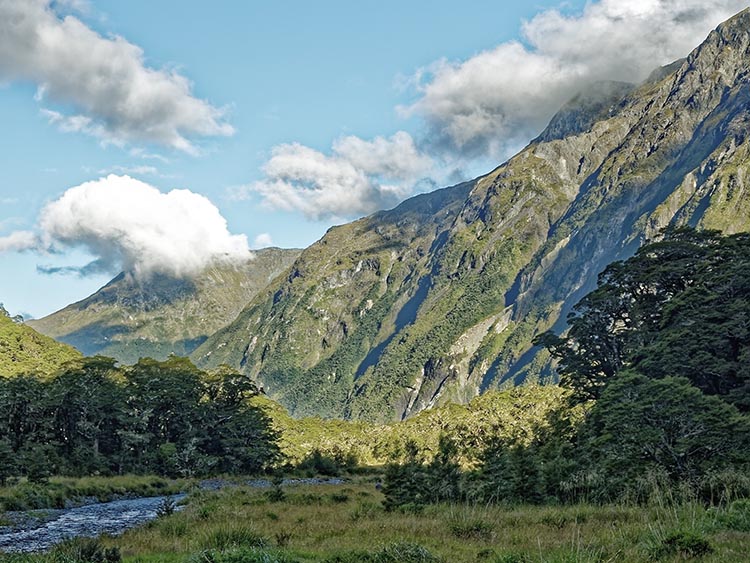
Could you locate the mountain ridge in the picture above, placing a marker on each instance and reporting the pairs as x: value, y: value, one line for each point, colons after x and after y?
x: 130, y: 318
x: 510, y: 260
x: 23, y: 350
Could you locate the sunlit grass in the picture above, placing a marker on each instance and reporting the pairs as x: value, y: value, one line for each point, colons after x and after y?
x: 347, y: 523
x: 59, y: 490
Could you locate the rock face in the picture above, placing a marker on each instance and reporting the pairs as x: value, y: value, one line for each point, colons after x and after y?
x: 440, y: 298
x: 128, y: 319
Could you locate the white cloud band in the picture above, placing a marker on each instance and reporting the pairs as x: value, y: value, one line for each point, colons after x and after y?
x: 128, y: 224
x: 359, y: 177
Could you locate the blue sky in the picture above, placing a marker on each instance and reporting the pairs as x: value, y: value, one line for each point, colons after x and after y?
x: 290, y: 117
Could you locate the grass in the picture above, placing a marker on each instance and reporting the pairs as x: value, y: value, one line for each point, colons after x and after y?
x: 58, y: 491
x: 346, y: 523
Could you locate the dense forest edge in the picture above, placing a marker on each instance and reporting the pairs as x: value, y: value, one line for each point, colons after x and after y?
x: 649, y: 427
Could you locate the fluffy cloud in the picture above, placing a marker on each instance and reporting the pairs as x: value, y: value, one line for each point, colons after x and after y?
x: 127, y: 224
x: 263, y: 240
x: 116, y: 97
x: 506, y: 95
x: 359, y: 177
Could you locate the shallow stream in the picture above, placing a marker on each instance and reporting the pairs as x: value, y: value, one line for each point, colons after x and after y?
x: 39, y: 530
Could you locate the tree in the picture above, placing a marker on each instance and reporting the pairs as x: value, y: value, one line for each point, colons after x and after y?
x: 7, y: 462
x: 680, y: 306
x: 640, y: 424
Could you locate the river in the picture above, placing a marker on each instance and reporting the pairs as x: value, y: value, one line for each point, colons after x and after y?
x: 44, y: 528
x: 39, y: 530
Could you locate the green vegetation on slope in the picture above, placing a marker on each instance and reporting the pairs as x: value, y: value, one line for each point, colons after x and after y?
x: 655, y: 357
x: 516, y: 414
x: 130, y: 318
x: 24, y: 350
x: 440, y: 299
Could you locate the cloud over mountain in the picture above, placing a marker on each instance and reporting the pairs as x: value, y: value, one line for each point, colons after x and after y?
x: 128, y: 224
x: 114, y: 96
x: 357, y: 178
x: 506, y: 95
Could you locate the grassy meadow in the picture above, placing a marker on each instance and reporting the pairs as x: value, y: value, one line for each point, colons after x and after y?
x: 347, y: 524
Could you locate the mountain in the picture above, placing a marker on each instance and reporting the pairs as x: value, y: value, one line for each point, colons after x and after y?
x: 130, y: 318
x: 24, y: 350
x: 440, y: 298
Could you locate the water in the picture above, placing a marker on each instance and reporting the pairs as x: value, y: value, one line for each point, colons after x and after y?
x: 42, y: 529
x: 39, y: 534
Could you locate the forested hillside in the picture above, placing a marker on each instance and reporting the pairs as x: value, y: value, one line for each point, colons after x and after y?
x: 440, y: 299
x: 131, y: 318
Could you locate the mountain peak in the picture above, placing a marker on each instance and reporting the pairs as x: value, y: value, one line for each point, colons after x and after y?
x: 737, y: 25
x: 155, y: 316
x: 590, y: 105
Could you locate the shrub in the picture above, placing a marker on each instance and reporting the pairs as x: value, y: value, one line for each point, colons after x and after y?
x: 682, y: 544
x: 166, y: 507
x: 227, y: 538
x: 400, y: 552
x: 85, y: 550
x: 472, y: 529
x: 736, y: 516
x: 245, y: 555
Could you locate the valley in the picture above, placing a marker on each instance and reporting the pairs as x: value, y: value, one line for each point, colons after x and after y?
x: 546, y: 363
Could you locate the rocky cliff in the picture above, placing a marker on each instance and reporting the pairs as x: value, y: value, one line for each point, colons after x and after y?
x: 439, y: 299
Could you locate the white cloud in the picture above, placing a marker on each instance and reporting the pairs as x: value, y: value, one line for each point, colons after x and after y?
x: 263, y: 240
x: 506, y: 95
x: 128, y: 224
x: 18, y: 241
x: 116, y: 97
x: 359, y: 177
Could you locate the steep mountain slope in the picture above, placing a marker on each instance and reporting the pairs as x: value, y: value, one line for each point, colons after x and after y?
x: 399, y: 311
x: 129, y: 319
x: 24, y: 350
x: 312, y: 331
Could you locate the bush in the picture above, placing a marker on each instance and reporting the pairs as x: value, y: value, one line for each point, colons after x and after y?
x: 276, y: 493
x: 401, y: 552
x: 682, y: 544
x: 736, y: 516
x: 251, y: 555
x: 166, y: 507
x: 476, y: 529
x: 85, y: 550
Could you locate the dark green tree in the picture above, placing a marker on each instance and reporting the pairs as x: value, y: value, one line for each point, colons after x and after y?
x: 668, y: 425
x: 680, y: 306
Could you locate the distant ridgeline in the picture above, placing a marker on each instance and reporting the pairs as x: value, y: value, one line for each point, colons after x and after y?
x: 130, y: 318
x: 439, y: 299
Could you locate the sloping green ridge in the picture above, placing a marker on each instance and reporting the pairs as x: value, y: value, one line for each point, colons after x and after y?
x: 24, y: 350
x: 481, y: 273
x: 129, y: 318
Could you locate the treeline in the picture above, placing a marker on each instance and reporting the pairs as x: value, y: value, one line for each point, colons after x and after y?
x: 656, y: 367
x: 168, y: 418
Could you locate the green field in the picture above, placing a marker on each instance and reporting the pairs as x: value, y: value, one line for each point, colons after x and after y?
x: 346, y: 523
